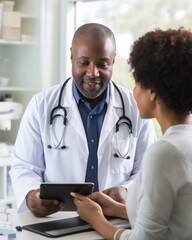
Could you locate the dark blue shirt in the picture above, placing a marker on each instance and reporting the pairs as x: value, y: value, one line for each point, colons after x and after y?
x: 92, y: 121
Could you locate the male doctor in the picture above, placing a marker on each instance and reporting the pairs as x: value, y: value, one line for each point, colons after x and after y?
x: 72, y: 134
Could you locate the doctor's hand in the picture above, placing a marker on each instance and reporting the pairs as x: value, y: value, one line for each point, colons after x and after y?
x: 117, y: 193
x: 42, y: 207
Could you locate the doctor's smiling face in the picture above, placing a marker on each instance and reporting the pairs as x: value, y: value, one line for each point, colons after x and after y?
x: 92, y: 56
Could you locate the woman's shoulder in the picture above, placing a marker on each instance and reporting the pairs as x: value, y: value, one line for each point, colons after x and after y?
x: 163, y: 158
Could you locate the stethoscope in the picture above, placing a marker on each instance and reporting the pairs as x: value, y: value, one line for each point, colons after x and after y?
x: 123, y: 119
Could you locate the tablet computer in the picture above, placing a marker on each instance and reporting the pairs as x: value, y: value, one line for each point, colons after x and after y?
x: 62, y: 192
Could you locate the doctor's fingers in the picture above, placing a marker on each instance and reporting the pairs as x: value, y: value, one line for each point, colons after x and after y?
x: 44, y: 211
x: 46, y: 207
x: 51, y: 203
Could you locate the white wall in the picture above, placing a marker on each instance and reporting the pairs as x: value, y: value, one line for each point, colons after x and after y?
x: 49, y: 42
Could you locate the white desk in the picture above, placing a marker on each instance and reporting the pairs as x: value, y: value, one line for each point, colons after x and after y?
x: 20, y: 219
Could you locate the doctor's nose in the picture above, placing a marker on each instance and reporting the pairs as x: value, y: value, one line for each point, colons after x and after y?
x: 92, y: 71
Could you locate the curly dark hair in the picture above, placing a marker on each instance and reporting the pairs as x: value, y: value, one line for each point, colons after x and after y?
x: 161, y: 60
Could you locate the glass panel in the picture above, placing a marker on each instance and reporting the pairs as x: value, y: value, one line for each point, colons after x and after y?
x: 131, y: 18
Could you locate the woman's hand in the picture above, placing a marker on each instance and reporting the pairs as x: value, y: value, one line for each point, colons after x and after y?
x: 91, y: 208
x: 108, y: 205
x: 87, y: 209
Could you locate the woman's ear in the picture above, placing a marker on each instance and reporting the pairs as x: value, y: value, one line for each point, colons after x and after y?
x: 153, y: 96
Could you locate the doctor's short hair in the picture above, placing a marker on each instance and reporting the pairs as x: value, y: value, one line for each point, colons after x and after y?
x: 96, y: 31
x: 161, y: 60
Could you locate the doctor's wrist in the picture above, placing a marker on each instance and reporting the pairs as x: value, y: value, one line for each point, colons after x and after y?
x: 30, y: 198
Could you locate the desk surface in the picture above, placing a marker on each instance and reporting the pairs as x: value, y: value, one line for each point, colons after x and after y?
x: 20, y: 219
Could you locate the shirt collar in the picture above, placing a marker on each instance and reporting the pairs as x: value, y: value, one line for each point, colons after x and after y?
x: 78, y: 97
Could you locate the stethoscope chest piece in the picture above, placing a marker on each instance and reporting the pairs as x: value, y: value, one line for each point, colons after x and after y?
x: 58, y: 113
x: 122, y: 139
x: 123, y: 136
x: 57, y: 130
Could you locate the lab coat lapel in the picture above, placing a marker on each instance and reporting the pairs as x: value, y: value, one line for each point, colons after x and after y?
x: 74, y: 118
x: 73, y: 115
x: 111, y: 117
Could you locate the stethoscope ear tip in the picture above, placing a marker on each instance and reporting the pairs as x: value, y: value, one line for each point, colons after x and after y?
x: 117, y: 156
x: 50, y: 147
x: 63, y: 147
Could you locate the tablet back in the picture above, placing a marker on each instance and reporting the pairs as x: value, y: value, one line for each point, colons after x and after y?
x: 62, y: 192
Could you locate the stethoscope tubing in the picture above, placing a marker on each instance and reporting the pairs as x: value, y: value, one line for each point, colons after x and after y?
x: 122, y: 120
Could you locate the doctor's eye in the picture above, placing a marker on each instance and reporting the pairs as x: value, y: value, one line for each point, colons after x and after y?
x: 102, y: 64
x: 83, y: 62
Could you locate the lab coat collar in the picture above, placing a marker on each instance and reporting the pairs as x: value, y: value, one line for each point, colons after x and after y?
x: 67, y: 97
x: 77, y: 96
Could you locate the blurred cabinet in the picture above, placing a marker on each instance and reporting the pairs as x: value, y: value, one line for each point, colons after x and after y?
x: 6, y: 192
x: 20, y: 62
x: 31, y: 64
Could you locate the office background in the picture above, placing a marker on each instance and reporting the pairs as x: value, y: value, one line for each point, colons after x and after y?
x: 36, y: 56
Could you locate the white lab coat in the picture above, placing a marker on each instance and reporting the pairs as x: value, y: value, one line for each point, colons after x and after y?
x: 33, y: 162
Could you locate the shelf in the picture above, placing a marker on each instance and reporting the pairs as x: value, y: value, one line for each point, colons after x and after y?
x: 7, y: 200
x: 18, y: 89
x: 20, y: 61
x: 13, y: 43
x: 27, y: 16
x: 5, y: 161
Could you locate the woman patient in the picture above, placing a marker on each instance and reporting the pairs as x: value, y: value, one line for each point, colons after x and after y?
x: 159, y: 202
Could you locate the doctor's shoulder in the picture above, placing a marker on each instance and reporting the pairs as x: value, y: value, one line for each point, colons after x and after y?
x: 48, y: 96
x: 42, y: 100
